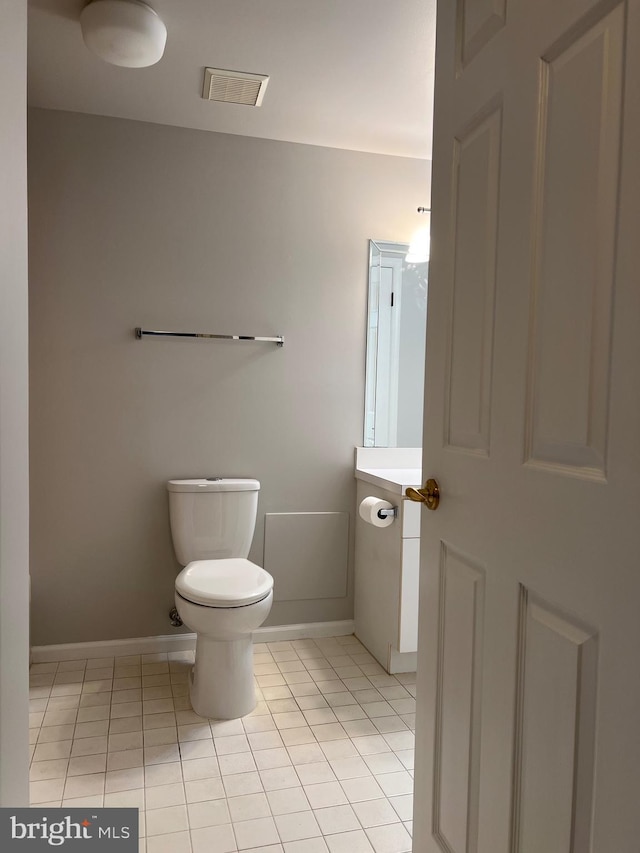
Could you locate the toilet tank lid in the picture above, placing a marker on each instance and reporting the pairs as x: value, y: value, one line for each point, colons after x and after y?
x: 214, y: 484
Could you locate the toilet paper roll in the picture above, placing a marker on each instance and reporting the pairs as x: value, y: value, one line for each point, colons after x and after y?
x: 368, y: 510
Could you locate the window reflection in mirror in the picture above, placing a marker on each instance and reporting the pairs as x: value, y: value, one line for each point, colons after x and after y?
x: 396, y: 336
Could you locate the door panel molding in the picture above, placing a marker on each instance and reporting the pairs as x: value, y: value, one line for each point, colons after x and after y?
x: 554, y: 749
x: 475, y: 193
x: 573, y: 245
x: 477, y: 23
x: 458, y: 702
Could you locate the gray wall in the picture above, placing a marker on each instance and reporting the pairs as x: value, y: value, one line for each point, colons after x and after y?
x: 14, y: 459
x: 141, y: 224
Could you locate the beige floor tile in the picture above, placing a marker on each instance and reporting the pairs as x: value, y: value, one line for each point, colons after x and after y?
x: 200, y: 768
x: 202, y: 790
x: 392, y: 838
x: 166, y: 820
x: 208, y: 813
x: 327, y: 750
x: 54, y: 769
x: 46, y: 790
x: 87, y: 764
x: 297, y: 825
x: 212, y: 838
x: 132, y: 799
x: 84, y: 786
x: 161, y: 796
x: 124, y: 780
x: 125, y: 760
x: 162, y: 774
x: 254, y: 833
x: 174, y: 842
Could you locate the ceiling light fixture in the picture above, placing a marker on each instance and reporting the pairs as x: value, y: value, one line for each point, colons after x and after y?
x: 420, y: 242
x: 123, y: 32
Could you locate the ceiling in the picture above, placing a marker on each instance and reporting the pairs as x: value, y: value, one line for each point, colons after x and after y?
x: 354, y: 74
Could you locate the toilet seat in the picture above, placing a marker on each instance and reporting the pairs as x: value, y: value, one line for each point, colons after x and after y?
x: 233, y: 582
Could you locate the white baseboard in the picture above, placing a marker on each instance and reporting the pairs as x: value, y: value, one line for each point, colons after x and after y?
x: 402, y: 661
x: 305, y: 631
x: 114, y: 648
x: 182, y: 642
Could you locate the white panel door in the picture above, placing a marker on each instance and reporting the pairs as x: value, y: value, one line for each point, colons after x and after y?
x: 528, y: 684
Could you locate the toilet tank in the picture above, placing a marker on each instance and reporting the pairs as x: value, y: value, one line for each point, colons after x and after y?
x: 212, y: 519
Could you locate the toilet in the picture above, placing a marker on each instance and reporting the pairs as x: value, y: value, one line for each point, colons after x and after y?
x: 219, y: 594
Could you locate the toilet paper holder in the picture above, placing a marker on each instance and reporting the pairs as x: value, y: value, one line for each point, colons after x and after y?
x: 385, y: 513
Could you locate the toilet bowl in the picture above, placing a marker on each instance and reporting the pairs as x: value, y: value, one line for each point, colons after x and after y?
x: 220, y: 594
x: 223, y: 601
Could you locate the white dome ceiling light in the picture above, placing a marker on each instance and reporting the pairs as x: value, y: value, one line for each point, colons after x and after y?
x: 123, y: 32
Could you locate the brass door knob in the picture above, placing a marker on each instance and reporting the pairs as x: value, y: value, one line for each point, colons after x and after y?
x: 429, y: 496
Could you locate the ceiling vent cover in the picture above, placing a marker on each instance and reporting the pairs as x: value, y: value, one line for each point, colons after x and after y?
x: 234, y: 87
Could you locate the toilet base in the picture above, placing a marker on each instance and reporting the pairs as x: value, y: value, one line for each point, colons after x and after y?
x: 221, y: 684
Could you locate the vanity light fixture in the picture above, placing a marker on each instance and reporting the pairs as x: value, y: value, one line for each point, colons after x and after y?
x: 124, y: 32
x: 420, y: 242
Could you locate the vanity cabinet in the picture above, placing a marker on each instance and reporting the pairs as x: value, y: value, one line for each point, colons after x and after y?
x: 387, y: 565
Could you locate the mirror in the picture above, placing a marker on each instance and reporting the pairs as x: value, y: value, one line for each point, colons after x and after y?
x: 396, y: 337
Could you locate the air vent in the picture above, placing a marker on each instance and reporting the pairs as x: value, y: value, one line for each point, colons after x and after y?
x: 234, y: 87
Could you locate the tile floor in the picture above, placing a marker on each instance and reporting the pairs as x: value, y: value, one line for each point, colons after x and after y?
x: 324, y: 763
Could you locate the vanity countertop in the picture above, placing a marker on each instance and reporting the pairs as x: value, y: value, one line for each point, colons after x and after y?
x: 391, y: 479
